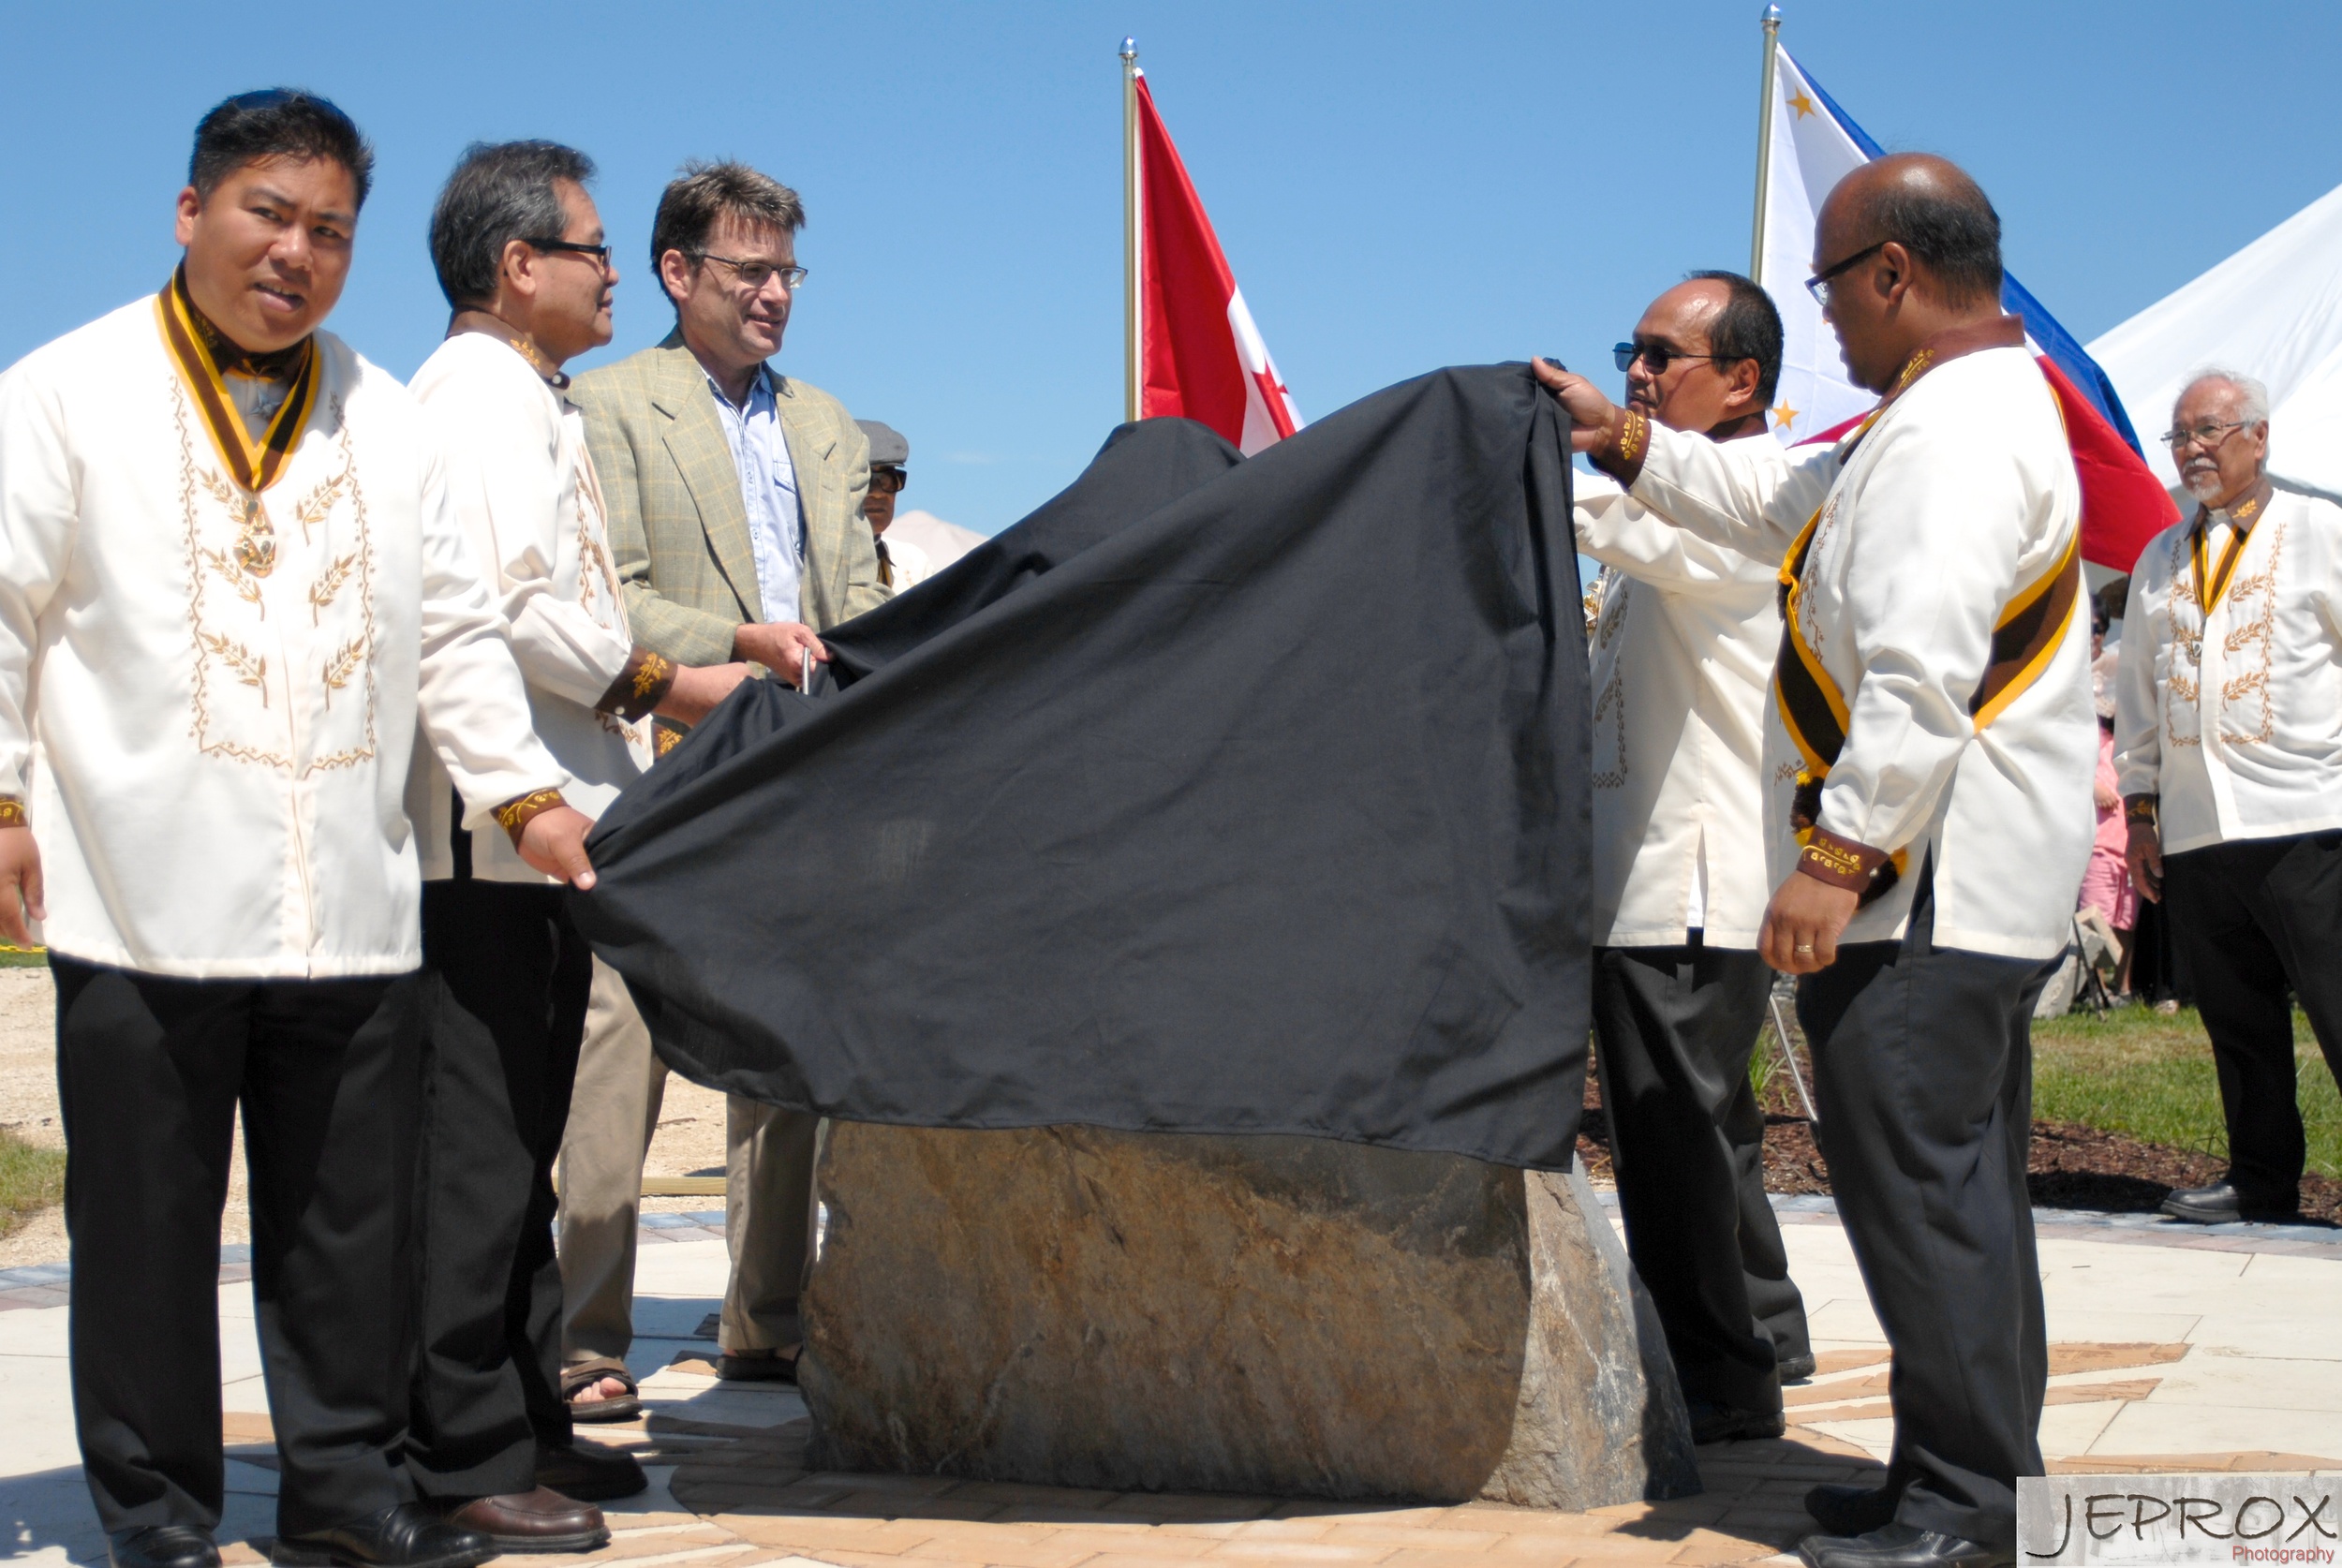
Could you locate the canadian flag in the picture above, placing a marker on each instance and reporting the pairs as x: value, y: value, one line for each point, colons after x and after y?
x: 1200, y: 356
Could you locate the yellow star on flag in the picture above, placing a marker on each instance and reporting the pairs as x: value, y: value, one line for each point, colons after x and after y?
x: 1803, y: 104
x: 1785, y: 416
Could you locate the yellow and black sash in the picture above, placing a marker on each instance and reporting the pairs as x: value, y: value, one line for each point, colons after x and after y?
x: 1815, y: 712
x: 204, y: 361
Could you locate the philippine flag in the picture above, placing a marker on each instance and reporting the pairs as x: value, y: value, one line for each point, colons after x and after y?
x: 1814, y: 145
x: 1200, y: 356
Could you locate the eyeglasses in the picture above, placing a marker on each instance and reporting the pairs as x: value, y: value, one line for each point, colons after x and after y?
x: 2204, y: 435
x: 1819, y: 285
x: 1656, y: 356
x: 754, y: 275
x: 889, y: 480
x: 597, y: 255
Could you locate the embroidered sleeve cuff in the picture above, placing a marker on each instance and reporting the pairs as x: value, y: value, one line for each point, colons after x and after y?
x: 12, y: 813
x: 515, y: 815
x: 1841, y: 861
x: 1623, y: 447
x: 2140, y: 808
x: 641, y: 686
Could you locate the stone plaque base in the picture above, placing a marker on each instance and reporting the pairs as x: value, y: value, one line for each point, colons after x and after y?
x: 1285, y: 1316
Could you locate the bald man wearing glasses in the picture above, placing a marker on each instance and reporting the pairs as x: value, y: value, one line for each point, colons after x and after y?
x: 1681, y: 653
x: 734, y: 496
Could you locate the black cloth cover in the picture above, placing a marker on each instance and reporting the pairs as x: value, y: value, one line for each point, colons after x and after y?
x: 1217, y: 796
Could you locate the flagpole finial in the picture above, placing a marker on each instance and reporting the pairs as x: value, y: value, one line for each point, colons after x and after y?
x: 1130, y: 49
x: 1772, y: 19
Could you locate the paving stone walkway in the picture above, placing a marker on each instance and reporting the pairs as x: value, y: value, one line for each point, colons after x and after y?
x: 2171, y: 1350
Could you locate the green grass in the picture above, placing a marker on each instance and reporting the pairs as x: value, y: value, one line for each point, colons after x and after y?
x: 22, y: 957
x: 2136, y: 1072
x: 30, y: 1180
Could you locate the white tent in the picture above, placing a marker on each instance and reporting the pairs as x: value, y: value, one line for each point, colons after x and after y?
x: 944, y: 542
x: 2274, y: 311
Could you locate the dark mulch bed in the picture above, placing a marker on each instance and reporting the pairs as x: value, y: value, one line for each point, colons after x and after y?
x: 2071, y: 1167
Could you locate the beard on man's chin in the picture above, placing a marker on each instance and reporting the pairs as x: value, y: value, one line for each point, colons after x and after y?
x: 2202, y: 484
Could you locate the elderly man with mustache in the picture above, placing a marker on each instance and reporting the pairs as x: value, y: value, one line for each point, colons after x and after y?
x: 2228, y: 742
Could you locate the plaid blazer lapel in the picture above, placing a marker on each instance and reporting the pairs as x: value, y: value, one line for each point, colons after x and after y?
x: 812, y: 443
x: 695, y: 439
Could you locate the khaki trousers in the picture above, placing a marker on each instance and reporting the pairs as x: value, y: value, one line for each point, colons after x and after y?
x: 768, y: 1172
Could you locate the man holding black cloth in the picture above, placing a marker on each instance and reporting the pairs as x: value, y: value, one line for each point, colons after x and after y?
x: 1681, y: 660
x: 1930, y: 756
x: 519, y: 250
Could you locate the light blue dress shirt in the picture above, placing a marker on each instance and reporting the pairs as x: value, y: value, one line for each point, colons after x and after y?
x: 768, y: 488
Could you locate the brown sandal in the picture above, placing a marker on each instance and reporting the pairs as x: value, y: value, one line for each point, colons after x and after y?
x: 623, y: 1407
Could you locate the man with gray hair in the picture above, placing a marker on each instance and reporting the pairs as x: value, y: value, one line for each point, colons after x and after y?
x: 520, y: 254
x: 2229, y: 742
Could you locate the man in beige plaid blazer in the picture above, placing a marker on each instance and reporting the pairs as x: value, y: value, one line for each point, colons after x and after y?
x: 735, y: 498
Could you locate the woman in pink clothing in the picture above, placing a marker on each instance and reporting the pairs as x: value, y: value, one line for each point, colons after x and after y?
x: 2106, y: 885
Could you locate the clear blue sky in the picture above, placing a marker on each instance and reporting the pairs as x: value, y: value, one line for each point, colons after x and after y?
x: 1398, y: 186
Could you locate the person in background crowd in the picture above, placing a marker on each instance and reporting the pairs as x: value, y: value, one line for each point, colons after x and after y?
x: 2106, y: 885
x: 518, y: 247
x: 734, y: 496
x: 2229, y: 739
x: 1681, y: 653
x: 901, y: 563
x: 232, y: 892
x: 1929, y: 758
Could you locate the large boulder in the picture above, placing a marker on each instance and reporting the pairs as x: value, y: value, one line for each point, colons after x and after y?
x: 1270, y: 1315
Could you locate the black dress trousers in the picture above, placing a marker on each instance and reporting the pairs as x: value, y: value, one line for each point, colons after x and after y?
x: 150, y: 1070
x: 511, y: 978
x: 2255, y: 918
x: 1674, y: 1027
x: 1923, y: 1077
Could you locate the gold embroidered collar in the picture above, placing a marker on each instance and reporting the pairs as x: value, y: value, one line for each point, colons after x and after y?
x: 471, y: 318
x: 2212, y: 580
x: 204, y: 358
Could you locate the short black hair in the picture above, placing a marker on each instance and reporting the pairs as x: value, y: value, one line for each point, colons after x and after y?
x: 1748, y: 328
x: 1949, y: 226
x: 276, y: 121
x: 703, y: 193
x: 499, y: 192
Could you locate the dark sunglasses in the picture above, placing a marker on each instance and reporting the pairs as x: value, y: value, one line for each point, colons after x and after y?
x: 1651, y: 354
x: 889, y: 480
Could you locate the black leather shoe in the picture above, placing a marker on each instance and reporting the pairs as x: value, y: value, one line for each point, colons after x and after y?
x: 1713, y: 1422
x: 1843, y: 1509
x: 590, y: 1472
x: 407, y: 1536
x: 163, y: 1546
x: 1794, y: 1367
x: 2221, y: 1203
x: 1901, y: 1545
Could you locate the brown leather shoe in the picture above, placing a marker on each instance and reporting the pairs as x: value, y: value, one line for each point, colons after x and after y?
x: 541, y: 1520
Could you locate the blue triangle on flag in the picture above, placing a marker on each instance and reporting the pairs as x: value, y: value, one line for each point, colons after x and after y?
x: 2055, y: 340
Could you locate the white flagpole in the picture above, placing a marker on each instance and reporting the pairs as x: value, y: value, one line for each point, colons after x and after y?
x: 1131, y: 300
x: 1772, y: 22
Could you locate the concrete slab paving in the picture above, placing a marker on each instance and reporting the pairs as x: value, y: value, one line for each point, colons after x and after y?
x: 2205, y: 1353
